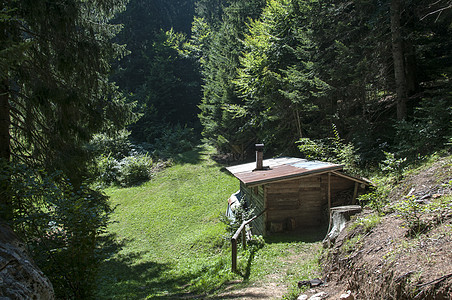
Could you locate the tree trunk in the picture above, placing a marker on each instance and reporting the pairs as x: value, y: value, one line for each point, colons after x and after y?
x: 398, y: 58
x: 5, y: 150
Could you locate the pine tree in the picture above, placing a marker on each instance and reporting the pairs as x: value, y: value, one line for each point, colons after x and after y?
x: 219, y: 43
x: 54, y: 91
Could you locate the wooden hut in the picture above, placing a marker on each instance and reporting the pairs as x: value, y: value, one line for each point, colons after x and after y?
x: 294, y: 192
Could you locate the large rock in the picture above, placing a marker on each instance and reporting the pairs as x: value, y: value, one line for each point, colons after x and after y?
x: 20, y: 278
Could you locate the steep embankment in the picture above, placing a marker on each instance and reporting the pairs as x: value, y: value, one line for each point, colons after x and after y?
x: 405, y: 254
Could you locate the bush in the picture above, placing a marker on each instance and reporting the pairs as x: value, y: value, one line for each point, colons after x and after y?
x: 107, y: 170
x: 61, y: 225
x: 174, y: 140
x: 115, y: 145
x: 134, y: 170
x: 377, y: 198
x: 392, y: 165
x: 333, y: 150
x: 428, y: 131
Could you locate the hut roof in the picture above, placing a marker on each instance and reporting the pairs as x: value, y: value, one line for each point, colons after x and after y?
x: 281, y: 168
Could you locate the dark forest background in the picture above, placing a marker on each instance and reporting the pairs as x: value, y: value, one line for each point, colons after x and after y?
x: 376, y: 74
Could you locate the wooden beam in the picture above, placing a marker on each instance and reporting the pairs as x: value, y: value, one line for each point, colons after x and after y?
x: 355, y: 193
x: 351, y: 178
x: 292, y: 177
x: 329, y: 193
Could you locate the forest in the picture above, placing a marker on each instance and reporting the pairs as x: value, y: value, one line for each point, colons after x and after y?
x: 104, y: 93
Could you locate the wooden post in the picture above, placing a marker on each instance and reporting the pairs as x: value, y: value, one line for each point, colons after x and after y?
x: 235, y: 237
x: 329, y: 193
x: 234, y: 255
x: 355, y: 193
x: 244, y: 239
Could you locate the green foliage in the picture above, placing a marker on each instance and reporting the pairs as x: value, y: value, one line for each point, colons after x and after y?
x: 412, y: 212
x: 306, y: 64
x: 429, y: 129
x: 315, y: 150
x: 174, y: 140
x: 158, y: 74
x: 277, y: 79
x: 366, y: 223
x: 241, y: 213
x: 377, y: 198
x: 61, y: 225
x: 393, y: 166
x: 57, y: 86
x: 419, y: 216
x: 129, y: 171
x: 116, y: 144
x: 334, y: 150
x: 134, y: 169
x: 352, y: 244
x: 106, y: 170
x: 217, y: 43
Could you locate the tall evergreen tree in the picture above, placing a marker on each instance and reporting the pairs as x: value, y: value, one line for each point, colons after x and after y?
x: 378, y: 70
x: 164, y: 83
x: 278, y: 80
x: 220, y: 46
x: 54, y: 91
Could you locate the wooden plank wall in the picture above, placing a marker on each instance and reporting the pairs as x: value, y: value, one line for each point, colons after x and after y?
x: 303, y: 202
x: 255, y: 199
x: 296, y: 202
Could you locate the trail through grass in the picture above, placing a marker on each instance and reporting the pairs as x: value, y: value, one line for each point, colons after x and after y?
x: 166, y: 240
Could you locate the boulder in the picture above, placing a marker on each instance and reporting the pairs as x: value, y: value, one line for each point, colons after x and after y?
x: 20, y: 278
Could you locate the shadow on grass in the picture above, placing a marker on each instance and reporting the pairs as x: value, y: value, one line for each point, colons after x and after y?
x: 130, y: 276
x: 123, y: 276
x: 192, y: 157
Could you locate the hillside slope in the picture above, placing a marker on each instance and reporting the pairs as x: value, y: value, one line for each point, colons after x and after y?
x: 405, y: 254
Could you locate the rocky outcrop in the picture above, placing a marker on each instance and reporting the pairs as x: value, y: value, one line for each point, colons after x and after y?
x: 20, y: 278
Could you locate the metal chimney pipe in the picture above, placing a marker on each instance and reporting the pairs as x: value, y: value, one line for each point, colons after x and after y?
x: 259, y: 156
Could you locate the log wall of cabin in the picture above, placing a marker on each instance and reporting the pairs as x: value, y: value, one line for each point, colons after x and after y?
x: 302, y: 202
x: 255, y: 199
x: 295, y: 203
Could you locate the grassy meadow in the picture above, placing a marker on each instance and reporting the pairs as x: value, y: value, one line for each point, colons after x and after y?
x: 166, y: 239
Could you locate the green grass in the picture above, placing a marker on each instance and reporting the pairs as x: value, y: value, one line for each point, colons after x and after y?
x: 166, y: 240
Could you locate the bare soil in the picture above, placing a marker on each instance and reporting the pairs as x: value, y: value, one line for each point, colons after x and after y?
x: 390, y: 261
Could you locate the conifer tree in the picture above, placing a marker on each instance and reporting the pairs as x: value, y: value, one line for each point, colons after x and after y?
x: 55, y: 91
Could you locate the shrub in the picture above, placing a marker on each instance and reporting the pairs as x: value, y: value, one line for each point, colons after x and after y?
x: 411, y: 211
x: 392, y: 165
x: 115, y: 145
x: 419, y: 216
x: 241, y: 213
x: 61, y: 225
x: 366, y: 223
x: 377, y: 198
x: 429, y: 130
x: 107, y: 170
x: 134, y: 169
x: 313, y: 149
x: 174, y: 140
x: 334, y: 150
